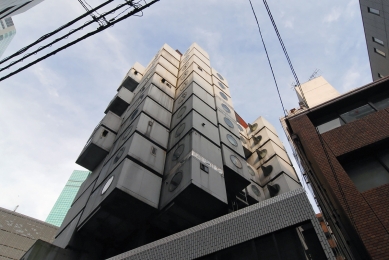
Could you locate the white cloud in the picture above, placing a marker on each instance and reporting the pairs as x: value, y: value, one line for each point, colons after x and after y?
x: 333, y: 15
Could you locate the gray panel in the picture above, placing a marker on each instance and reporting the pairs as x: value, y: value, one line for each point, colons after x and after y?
x: 212, y: 191
x: 228, y: 122
x: 193, y: 102
x: 233, y: 142
x: 142, y: 150
x: 194, y: 77
x: 89, y: 180
x: 193, y: 141
x: 64, y: 236
x: 196, y: 121
x: 195, y: 89
x: 220, y: 77
x: 156, y: 94
x: 235, y: 170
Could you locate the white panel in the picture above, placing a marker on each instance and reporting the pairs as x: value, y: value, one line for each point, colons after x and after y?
x: 285, y: 184
x: 229, y: 123
x: 239, y: 167
x: 262, y: 136
x: 218, y: 86
x: 245, y: 142
x: 157, y: 95
x: 103, y: 138
x: 196, y: 90
x: 267, y: 151
x: 233, y: 142
x: 198, y: 61
x: 195, y: 77
x: 195, y: 49
x: 242, y: 131
x: 220, y: 94
x: 161, y: 71
x: 272, y: 168
x: 172, y: 51
x: 258, y: 124
x: 125, y: 95
x: 255, y: 192
x: 194, y: 67
x: 219, y: 77
x: 112, y: 121
x: 197, y: 104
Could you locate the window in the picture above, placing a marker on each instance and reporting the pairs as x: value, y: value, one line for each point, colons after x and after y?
x: 381, y: 102
x: 383, y: 54
x: 369, y: 171
x: 378, y: 41
x: 373, y: 11
x: 330, y: 125
x: 357, y: 113
x: 380, y: 76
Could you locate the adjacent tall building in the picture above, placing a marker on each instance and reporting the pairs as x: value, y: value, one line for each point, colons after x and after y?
x: 65, y: 199
x: 342, y: 147
x: 10, y: 8
x: 171, y: 155
x: 7, y: 33
x: 375, y: 17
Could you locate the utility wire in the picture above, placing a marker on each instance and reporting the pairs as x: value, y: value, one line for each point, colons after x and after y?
x: 64, y: 37
x: 44, y: 37
x: 285, y: 52
x: 101, y: 28
x: 268, y: 59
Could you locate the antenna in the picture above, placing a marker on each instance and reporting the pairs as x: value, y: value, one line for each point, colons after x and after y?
x: 17, y: 206
x: 314, y: 74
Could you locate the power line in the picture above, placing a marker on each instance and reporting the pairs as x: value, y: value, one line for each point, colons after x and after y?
x: 137, y: 9
x: 285, y: 52
x: 268, y: 59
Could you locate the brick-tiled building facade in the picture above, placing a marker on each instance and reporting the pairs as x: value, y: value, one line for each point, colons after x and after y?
x: 342, y: 146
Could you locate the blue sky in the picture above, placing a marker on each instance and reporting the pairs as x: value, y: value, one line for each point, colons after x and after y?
x: 48, y: 111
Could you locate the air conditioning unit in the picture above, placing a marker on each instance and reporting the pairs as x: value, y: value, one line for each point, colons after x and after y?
x: 235, y: 170
x: 246, y: 146
x: 258, y: 124
x: 120, y: 102
x: 96, y: 148
x: 218, y: 86
x: 265, y: 153
x: 141, y: 150
x: 254, y: 193
x: 219, y: 77
x: 111, y: 121
x: 274, y: 167
x: 194, y: 89
x: 133, y: 77
x: 147, y: 126
x: 193, y: 102
x: 242, y: 131
x: 194, y: 77
x: 196, y: 60
x: 194, y: 67
x: 262, y: 136
x: 230, y: 140
x: 194, y: 144
x: 228, y: 122
x: 151, y: 108
x: 124, y: 202
x: 194, y: 121
x: 222, y: 96
x: 192, y: 194
x: 280, y: 185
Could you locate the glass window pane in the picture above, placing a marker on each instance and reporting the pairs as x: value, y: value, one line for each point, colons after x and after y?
x: 357, y: 113
x: 367, y: 173
x: 373, y: 11
x: 384, y: 103
x: 330, y: 125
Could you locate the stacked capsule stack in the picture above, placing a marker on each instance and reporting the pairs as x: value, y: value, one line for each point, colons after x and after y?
x: 269, y: 165
x: 169, y: 154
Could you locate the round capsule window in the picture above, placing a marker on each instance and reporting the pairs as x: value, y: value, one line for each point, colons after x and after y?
x: 221, y: 85
x: 223, y: 96
x: 177, y: 153
x: 182, y: 98
x: 236, y: 161
x: 251, y: 171
x: 243, y: 140
x: 119, y: 154
x: 133, y: 114
x: 181, y: 112
x: 176, y: 180
x: 225, y: 107
x: 240, y: 128
x: 219, y: 76
x: 232, y: 140
x: 228, y: 122
x: 107, y: 185
x: 126, y: 133
x: 180, y: 129
x: 255, y: 190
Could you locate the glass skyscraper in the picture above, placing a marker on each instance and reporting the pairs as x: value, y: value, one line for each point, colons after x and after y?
x: 65, y: 199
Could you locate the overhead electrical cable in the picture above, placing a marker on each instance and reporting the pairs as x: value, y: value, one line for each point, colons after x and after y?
x: 101, y: 28
x: 46, y: 36
x: 285, y: 52
x: 268, y: 59
x: 62, y: 37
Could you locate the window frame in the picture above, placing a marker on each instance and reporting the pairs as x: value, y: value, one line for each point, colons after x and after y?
x: 378, y: 41
x: 381, y: 53
x: 373, y: 11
